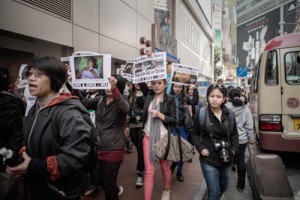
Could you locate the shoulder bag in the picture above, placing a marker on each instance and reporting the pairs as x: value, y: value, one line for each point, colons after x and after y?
x: 173, y: 148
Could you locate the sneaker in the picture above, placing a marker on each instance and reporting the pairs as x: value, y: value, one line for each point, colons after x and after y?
x: 139, y: 181
x: 90, y: 190
x: 165, y: 195
x: 120, y: 190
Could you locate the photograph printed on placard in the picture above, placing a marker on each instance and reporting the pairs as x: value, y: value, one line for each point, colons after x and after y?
x: 90, y: 70
x: 183, y: 74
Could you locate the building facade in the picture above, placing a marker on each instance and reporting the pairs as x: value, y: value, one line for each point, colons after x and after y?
x: 58, y: 28
x: 258, y: 22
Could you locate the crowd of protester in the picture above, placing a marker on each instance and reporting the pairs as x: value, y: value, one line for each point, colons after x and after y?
x: 54, y: 146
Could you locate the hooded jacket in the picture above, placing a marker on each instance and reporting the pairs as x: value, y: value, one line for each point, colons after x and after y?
x: 56, y: 169
x: 244, y: 121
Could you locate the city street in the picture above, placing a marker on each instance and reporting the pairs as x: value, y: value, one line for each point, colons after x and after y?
x: 193, y: 188
x: 187, y: 190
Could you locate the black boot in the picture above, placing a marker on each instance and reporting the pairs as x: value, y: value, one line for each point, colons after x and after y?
x: 179, y: 176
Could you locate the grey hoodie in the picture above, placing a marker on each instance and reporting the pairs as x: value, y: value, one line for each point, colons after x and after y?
x: 244, y: 122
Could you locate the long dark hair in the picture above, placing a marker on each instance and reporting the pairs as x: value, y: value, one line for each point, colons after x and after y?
x: 234, y: 97
x: 172, y: 90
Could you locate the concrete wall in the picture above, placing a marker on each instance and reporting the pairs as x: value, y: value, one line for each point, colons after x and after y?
x: 103, y: 26
x: 194, y: 46
x: 106, y: 26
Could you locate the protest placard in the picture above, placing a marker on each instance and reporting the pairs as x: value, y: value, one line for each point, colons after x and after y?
x: 183, y: 74
x: 90, y: 70
x: 149, y: 68
x: 128, y: 71
x: 120, y: 70
x: 22, y: 76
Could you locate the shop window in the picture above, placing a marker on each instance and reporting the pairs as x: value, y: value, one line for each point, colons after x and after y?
x: 163, y: 15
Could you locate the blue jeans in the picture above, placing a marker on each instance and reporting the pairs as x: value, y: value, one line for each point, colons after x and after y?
x: 217, y: 179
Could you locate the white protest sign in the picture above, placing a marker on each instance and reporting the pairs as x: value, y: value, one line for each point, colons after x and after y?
x: 149, y: 68
x: 90, y: 70
x: 128, y: 71
x: 22, y: 76
x: 183, y: 74
x: 30, y: 100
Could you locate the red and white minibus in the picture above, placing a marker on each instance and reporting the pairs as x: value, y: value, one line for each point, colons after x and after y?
x: 275, y: 95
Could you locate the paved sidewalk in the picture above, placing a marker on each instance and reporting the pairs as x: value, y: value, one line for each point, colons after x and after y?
x: 179, y: 191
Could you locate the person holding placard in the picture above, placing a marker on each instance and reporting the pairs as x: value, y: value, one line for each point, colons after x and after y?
x: 159, y: 114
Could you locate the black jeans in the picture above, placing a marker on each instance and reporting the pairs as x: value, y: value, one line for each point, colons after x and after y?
x: 137, y: 136
x: 108, y: 172
x: 241, y: 169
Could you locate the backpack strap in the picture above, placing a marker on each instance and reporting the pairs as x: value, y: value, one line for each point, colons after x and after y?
x: 202, y: 114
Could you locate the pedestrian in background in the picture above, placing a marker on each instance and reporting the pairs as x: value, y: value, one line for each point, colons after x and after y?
x: 215, y: 141
x: 136, y: 102
x: 193, y: 94
x: 111, y: 111
x: 181, y: 101
x: 159, y: 115
x: 245, y: 129
x: 54, y: 162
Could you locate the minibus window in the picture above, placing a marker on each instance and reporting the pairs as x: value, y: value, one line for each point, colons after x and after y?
x: 271, y: 75
x: 292, y: 68
x: 255, y: 77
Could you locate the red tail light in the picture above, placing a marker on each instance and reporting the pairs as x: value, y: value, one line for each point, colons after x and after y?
x: 270, y: 123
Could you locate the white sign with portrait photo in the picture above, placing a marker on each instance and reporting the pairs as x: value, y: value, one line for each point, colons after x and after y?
x: 90, y: 70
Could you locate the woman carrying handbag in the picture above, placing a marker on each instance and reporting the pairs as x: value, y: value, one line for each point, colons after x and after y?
x: 159, y: 115
x: 181, y: 102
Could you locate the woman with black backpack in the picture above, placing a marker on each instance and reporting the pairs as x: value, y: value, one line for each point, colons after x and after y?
x: 216, y: 138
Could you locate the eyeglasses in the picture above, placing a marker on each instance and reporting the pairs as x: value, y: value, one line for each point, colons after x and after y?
x: 35, y: 73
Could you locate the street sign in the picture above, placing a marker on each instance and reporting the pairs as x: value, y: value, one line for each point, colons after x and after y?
x: 241, y: 71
